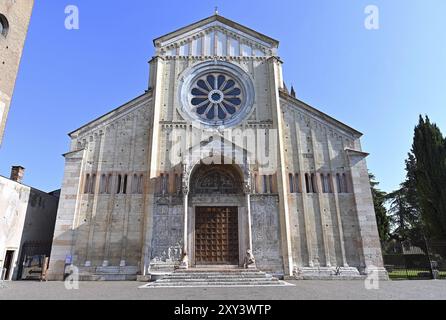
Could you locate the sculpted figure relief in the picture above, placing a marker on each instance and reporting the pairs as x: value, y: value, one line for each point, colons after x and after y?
x: 249, y: 259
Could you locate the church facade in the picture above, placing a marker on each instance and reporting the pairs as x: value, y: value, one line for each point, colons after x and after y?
x: 215, y: 162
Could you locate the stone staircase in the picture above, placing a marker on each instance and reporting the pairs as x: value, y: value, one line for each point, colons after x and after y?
x: 216, y: 278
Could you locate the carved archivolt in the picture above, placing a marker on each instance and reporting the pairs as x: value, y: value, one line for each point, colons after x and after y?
x: 216, y: 179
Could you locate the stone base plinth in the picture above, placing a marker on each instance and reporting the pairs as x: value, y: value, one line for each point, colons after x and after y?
x: 108, y: 273
x: 327, y: 273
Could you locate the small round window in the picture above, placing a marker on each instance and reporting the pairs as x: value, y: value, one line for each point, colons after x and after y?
x: 4, y: 25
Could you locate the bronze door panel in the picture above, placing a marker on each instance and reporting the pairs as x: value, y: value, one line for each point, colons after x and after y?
x: 216, y: 235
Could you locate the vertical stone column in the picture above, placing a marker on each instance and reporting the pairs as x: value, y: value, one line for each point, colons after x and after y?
x: 284, y: 218
x: 247, y: 189
x: 321, y: 203
x: 302, y: 170
x: 248, y: 207
x: 336, y: 199
x: 156, y: 83
x: 184, y: 263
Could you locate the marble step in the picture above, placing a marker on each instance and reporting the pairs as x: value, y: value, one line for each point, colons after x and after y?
x: 216, y: 281
x: 207, y: 278
x: 208, y: 270
x: 212, y: 284
x: 254, y: 275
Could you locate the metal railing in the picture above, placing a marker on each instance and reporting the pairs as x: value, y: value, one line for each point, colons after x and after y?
x: 405, y: 261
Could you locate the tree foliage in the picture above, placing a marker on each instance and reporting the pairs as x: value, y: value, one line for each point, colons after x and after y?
x: 429, y: 151
x: 382, y: 220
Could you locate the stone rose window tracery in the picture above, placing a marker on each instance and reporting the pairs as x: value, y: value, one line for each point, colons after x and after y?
x: 216, y: 97
x: 215, y: 94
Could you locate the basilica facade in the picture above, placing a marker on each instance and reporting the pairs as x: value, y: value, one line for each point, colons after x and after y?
x: 217, y: 161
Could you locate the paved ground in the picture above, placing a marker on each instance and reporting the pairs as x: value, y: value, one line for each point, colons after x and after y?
x: 350, y: 290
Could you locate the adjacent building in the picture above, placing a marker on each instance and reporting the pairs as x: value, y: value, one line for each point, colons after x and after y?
x: 215, y: 162
x: 27, y: 219
x: 14, y: 20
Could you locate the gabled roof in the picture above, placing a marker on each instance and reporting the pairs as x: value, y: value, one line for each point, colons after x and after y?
x: 296, y: 102
x: 223, y: 20
x: 114, y: 112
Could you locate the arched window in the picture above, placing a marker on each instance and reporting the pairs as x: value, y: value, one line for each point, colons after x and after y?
x: 341, y: 181
x: 4, y: 26
x: 308, y: 186
x: 92, y: 184
x: 323, y: 183
x: 298, y: 183
x: 265, y: 184
x: 87, y: 183
x: 140, y: 184
x: 291, y: 181
x: 118, y: 185
x: 124, y: 185
x: 254, y: 184
x: 313, y: 183
x: 326, y: 183
x: 329, y: 184
x: 135, y: 182
x: 108, y: 187
x: 103, y: 184
x: 338, y: 183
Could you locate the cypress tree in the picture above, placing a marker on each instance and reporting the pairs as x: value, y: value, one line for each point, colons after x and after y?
x: 429, y: 150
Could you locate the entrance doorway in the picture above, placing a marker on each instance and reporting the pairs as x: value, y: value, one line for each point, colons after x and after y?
x: 216, y: 236
x: 8, y: 264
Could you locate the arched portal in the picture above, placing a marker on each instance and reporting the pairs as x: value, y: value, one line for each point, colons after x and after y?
x: 218, y: 223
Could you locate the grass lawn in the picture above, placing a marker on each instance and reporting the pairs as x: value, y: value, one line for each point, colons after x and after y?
x: 410, y: 273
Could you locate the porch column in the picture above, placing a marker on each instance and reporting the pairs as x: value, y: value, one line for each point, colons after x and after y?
x: 248, y: 207
x: 185, y: 239
x: 249, y: 258
x: 184, y: 262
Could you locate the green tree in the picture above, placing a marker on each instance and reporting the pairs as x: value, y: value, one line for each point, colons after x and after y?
x: 429, y: 151
x: 379, y: 198
x: 404, y: 209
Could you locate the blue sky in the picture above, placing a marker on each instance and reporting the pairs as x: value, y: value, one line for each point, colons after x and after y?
x: 377, y: 81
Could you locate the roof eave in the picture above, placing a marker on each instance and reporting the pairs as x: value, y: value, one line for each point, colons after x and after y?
x: 287, y: 96
x: 148, y: 92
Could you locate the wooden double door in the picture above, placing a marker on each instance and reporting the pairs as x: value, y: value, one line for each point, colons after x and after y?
x: 216, y: 236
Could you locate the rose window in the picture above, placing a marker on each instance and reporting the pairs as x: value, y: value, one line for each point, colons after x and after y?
x: 216, y: 97
x: 215, y: 94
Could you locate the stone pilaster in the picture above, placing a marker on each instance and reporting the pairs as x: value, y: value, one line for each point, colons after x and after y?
x: 368, y: 231
x: 66, y: 224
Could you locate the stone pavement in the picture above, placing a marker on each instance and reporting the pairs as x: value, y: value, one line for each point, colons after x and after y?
x: 319, y: 290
